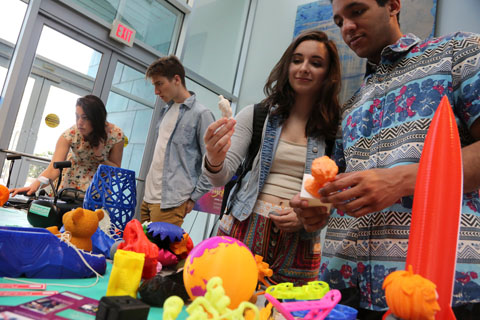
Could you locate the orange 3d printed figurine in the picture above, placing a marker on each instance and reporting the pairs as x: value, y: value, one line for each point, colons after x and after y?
x: 411, y: 296
x: 4, y: 194
x: 324, y: 170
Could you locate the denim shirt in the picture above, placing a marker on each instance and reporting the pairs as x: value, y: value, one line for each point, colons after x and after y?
x: 182, y: 169
x: 244, y: 200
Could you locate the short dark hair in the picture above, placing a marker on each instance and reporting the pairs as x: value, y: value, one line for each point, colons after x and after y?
x: 382, y: 3
x: 96, y: 113
x: 325, y: 114
x: 167, y: 67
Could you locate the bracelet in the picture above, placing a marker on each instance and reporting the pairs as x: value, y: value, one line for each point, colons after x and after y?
x: 211, y: 165
x: 43, y: 181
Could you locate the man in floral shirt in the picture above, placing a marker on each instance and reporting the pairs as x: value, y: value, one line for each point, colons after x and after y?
x: 383, y: 129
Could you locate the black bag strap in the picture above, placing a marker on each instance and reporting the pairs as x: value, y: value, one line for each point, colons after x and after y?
x: 329, y: 147
x: 259, y: 115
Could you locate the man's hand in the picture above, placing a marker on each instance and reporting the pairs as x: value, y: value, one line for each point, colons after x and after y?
x: 189, y: 206
x: 286, y: 220
x: 363, y: 192
x: 312, y: 218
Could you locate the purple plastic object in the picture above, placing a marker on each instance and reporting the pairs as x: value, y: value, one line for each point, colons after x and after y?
x: 37, y: 253
x: 319, y: 309
x: 165, y: 230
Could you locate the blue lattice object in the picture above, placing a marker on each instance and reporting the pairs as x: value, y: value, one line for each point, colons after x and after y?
x: 114, y: 190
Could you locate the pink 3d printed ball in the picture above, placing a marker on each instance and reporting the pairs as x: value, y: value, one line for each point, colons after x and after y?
x: 223, y: 257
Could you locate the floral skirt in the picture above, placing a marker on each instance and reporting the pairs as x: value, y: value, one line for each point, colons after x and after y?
x: 293, y: 256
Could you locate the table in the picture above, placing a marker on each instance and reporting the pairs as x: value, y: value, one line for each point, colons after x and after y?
x: 13, y: 217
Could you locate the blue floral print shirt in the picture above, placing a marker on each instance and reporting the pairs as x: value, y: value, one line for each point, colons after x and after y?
x: 384, y: 125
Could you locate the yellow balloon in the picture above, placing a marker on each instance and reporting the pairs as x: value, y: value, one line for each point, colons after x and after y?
x: 223, y: 257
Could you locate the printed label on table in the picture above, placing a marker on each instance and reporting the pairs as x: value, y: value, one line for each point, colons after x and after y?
x: 39, y: 209
x: 38, y: 286
x: 26, y: 293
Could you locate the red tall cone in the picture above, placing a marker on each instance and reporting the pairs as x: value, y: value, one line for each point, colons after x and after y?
x: 432, y: 246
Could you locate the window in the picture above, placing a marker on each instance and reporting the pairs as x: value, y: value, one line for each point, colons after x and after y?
x: 130, y: 106
x: 214, y: 40
x: 156, y: 22
x: 11, y: 19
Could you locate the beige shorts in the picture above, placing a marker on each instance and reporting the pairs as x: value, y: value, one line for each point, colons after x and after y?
x: 152, y: 212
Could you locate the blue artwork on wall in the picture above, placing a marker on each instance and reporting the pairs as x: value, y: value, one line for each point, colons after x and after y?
x: 417, y: 16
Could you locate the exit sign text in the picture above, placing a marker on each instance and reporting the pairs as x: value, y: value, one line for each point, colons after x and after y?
x: 122, y: 33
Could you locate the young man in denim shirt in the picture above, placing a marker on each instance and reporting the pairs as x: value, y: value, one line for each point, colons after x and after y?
x: 174, y: 181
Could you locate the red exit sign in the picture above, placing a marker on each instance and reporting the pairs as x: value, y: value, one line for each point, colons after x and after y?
x: 122, y: 33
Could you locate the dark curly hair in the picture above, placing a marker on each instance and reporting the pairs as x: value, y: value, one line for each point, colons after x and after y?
x: 325, y: 115
x: 96, y: 113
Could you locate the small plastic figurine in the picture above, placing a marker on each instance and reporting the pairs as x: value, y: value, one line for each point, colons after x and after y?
x: 166, y: 258
x: 126, y: 273
x: 137, y: 241
x: 4, y: 195
x: 224, y: 106
x: 263, y: 270
x: 82, y: 224
x: 172, y: 308
x: 183, y: 247
x: 317, y: 309
x: 324, y: 170
x: 411, y: 296
x: 211, y: 306
x: 313, y: 290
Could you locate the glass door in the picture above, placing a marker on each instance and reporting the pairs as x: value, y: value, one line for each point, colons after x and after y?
x: 130, y: 105
x: 63, y: 70
x: 68, y: 66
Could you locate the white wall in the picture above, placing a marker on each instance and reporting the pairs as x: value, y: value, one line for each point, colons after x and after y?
x: 214, y: 39
x: 457, y: 15
x: 271, y: 34
x: 273, y: 31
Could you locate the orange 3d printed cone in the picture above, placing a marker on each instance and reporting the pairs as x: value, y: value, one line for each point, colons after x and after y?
x: 437, y: 201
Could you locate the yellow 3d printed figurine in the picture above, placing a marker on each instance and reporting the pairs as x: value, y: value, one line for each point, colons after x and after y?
x: 126, y: 273
x: 211, y: 306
